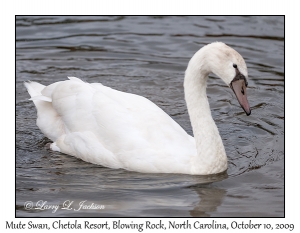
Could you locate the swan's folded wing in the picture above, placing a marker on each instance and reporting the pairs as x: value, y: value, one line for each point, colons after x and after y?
x: 137, y: 119
x: 109, y: 127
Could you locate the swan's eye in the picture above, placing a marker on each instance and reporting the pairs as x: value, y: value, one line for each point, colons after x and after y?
x: 234, y: 65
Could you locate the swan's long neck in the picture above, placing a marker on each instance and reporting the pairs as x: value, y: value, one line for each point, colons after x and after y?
x: 211, y: 157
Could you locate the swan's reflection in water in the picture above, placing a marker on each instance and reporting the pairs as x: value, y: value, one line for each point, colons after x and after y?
x: 210, y: 199
x: 125, y: 193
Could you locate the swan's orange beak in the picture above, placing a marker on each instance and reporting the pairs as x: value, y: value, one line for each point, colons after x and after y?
x: 239, y: 89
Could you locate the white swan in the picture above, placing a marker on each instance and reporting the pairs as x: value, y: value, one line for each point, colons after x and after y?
x: 120, y: 130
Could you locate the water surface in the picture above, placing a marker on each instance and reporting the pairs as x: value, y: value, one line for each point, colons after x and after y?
x: 148, y: 56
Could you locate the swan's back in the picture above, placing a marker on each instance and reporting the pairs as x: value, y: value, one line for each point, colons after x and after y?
x: 112, y: 128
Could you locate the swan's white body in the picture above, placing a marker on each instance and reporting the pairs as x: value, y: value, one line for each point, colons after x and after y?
x: 120, y: 130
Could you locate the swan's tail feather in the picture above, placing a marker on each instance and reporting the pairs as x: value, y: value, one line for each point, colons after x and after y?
x: 41, y: 97
x: 48, y: 120
x: 34, y: 88
x: 35, y: 91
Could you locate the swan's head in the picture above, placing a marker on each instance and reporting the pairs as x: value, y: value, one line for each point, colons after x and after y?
x: 230, y: 66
